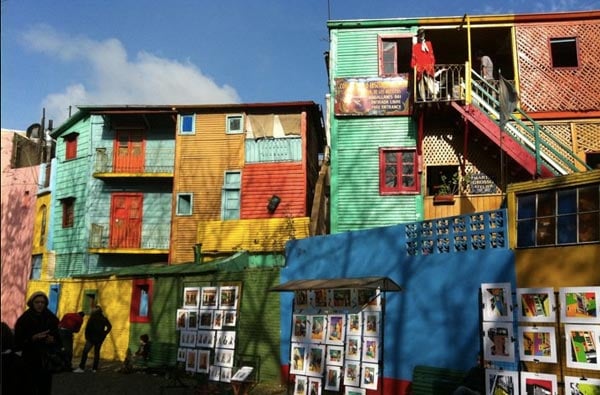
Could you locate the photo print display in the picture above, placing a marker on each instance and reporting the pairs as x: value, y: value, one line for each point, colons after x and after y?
x: 203, y: 361
x: 181, y: 320
x: 217, y: 319
x: 335, y: 355
x: 581, y: 385
x: 320, y: 298
x: 370, y: 349
x: 209, y: 297
x: 187, y: 338
x: 315, y: 360
x: 191, y: 361
x: 181, y: 354
x: 298, y: 362
x: 300, y: 325
x: 354, y: 324
x: 230, y: 318
x: 538, y: 344
x: 496, y: 301
x: 225, y: 339
x: 317, y: 327
x: 205, y: 319
x: 224, y: 357
x: 332, y: 378
x: 579, y: 305
x: 192, y: 320
x: 205, y: 339
x: 498, y: 342
x: 314, y: 386
x: 340, y: 299
x: 354, y: 391
x: 226, y: 375
x: 214, y: 373
x: 336, y: 329
x: 228, y: 297
x: 536, y: 305
x: 501, y: 382
x: 301, y: 301
x: 371, y: 323
x: 301, y: 385
x: 352, y: 373
x: 353, y: 348
x: 191, y: 297
x: 582, y: 346
x: 538, y: 383
x: 370, y: 372
x: 368, y: 299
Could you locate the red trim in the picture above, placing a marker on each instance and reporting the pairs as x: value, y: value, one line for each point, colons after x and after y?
x: 136, y: 293
x: 399, y: 189
x: 550, y: 115
x: 71, y: 146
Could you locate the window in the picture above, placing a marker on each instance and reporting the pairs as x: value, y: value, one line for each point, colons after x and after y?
x: 71, y: 146
x: 90, y: 300
x: 187, y: 124
x: 394, y: 55
x: 563, y: 52
x: 230, y: 199
x: 398, y: 171
x: 141, y: 296
x: 68, y: 212
x: 184, y: 203
x: 43, y: 224
x: 235, y: 124
x: 36, y: 267
x: 559, y: 217
x: 436, y: 176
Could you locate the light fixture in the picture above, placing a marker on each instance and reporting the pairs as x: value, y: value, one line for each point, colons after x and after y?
x: 273, y: 203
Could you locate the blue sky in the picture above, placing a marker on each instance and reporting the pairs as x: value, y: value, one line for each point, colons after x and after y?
x: 60, y: 53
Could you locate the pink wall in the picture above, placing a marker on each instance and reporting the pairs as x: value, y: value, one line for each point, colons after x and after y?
x: 19, y: 189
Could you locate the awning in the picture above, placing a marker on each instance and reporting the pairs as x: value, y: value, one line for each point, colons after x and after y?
x: 383, y: 283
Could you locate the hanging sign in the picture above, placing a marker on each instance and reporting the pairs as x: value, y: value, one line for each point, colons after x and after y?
x: 372, y: 96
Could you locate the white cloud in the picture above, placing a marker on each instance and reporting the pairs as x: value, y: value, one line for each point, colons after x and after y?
x: 115, y: 79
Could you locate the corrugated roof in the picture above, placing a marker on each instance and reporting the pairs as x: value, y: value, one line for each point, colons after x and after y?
x: 383, y: 283
x: 236, y: 262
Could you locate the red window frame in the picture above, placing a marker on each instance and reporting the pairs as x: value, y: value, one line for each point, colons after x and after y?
x: 71, y: 146
x: 393, y: 161
x: 137, y: 287
x: 68, y: 212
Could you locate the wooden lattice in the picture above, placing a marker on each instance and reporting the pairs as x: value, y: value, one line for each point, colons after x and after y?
x: 587, y: 136
x: 544, y: 88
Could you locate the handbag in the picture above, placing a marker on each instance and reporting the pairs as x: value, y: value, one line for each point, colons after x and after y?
x: 53, y: 361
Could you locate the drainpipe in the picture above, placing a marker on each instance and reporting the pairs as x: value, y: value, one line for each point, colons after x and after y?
x: 198, y: 253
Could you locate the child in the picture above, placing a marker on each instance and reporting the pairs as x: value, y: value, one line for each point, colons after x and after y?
x: 143, y: 352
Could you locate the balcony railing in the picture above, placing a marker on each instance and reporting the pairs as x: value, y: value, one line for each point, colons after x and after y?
x: 158, y: 160
x: 448, y: 84
x: 153, y: 237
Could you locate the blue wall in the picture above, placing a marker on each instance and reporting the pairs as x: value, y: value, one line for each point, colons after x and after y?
x: 434, y: 321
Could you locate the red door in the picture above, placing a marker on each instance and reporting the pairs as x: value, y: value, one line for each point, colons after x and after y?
x: 129, y: 152
x: 126, y: 220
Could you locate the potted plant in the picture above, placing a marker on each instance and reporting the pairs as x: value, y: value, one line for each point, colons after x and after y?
x: 449, y: 187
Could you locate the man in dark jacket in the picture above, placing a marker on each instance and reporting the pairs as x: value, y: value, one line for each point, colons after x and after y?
x: 96, y: 330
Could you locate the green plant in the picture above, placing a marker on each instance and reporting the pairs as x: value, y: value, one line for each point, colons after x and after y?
x: 452, y: 185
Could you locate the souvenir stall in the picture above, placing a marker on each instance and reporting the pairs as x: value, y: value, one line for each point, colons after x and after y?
x: 337, y: 339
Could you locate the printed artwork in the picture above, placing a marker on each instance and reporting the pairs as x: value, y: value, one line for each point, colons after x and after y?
x: 579, y: 305
x: 354, y: 391
x: 192, y: 320
x: 370, y: 349
x: 582, y: 344
x: 538, y: 383
x: 217, y: 319
x: 352, y: 373
x: 354, y: 324
x: 301, y: 301
x: 538, y: 344
x: 298, y: 362
x: 341, y: 298
x: 496, y: 300
x: 214, y: 373
x: 209, y: 297
x: 191, y: 361
x: 353, y: 348
x: 371, y: 324
x: 336, y: 329
x: 205, y: 339
x: 317, y: 328
x: 225, y: 339
x: 181, y: 320
x: 301, y: 385
x: 332, y: 378
x: 581, y: 386
x: 320, y: 298
x: 230, y: 318
x: 314, y: 386
x: 501, y: 382
x: 191, y: 297
x: 205, y: 320
x: 315, y: 360
x: 181, y: 354
x: 228, y: 297
x: 335, y: 355
x: 370, y: 372
x: 226, y: 375
x: 369, y: 299
x: 498, y: 342
x: 203, y: 361
x: 187, y: 338
x: 299, y: 329
x: 536, y: 304
x: 224, y: 357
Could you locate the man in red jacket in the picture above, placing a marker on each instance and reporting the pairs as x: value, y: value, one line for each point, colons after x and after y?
x: 68, y: 325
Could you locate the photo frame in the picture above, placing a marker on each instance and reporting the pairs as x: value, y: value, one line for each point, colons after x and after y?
x: 336, y: 329
x: 581, y: 385
x: 243, y: 373
x: 205, y: 339
x: 582, y: 342
x: 499, y: 381
x: 225, y: 339
x: 314, y: 386
x: 228, y: 297
x: 368, y: 299
x: 370, y: 349
x: 369, y: 376
x: 187, y: 338
x: 317, y: 328
x: 538, y: 383
x: 315, y: 360
x: 191, y: 360
x: 230, y: 318
x: 371, y: 323
x: 353, y: 348
x: 496, y: 301
x: 579, y: 305
x: 181, y: 319
x: 301, y: 302
x: 538, y: 344
x: 354, y: 391
x: 333, y: 377
x: 191, y: 297
x: 224, y: 357
x: 299, y: 332
x: 209, y: 298
x: 203, y: 361
x: 320, y: 298
x: 301, y: 385
x: 335, y: 355
x: 226, y: 375
x: 298, y: 358
x: 205, y: 319
x: 498, y: 341
x: 214, y: 373
x: 536, y: 305
x: 181, y: 354
x: 217, y: 319
x: 354, y: 327
x: 352, y: 373
x: 192, y: 320
x: 340, y: 299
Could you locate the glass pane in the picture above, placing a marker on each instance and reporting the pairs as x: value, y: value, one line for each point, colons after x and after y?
x: 546, y: 204
x: 567, y: 201
x: 408, y: 170
x: 186, y: 123
x: 546, y: 230
x: 408, y: 181
x: 525, y: 206
x: 408, y: 157
x: 391, y: 176
x: 525, y: 233
x: 232, y: 179
x: 391, y: 158
x: 588, y: 198
x: 567, y: 226
x: 389, y: 57
x: 589, y: 227
x: 143, y: 302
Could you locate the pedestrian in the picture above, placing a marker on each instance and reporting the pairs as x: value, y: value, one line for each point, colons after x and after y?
x: 36, y: 336
x: 143, y: 352
x: 96, y: 330
x: 423, y: 60
x: 68, y: 325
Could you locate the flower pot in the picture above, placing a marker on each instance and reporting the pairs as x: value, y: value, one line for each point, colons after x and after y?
x: 443, y: 199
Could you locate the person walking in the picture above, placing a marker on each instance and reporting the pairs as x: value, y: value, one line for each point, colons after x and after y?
x: 68, y: 325
x: 36, y: 334
x: 96, y: 330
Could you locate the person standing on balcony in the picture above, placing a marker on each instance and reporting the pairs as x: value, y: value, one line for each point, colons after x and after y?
x: 423, y: 61
x: 486, y: 66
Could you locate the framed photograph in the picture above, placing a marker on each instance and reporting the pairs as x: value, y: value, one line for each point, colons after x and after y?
x: 369, y: 375
x: 317, y: 325
x: 320, y: 298
x: 230, y: 318
x: 335, y: 355
x: 579, y: 385
x: 181, y: 320
x: 536, y: 305
x: 371, y: 323
x: 214, y: 373
x: 579, y: 305
x: 340, y: 299
x: 209, y: 297
x: 498, y: 342
x: 538, y: 344
x: 191, y: 297
x: 203, y: 361
x: 370, y: 349
x: 205, y: 319
x: 501, y: 382
x: 336, y: 329
x: 368, y: 299
x: 496, y: 300
x: 301, y: 385
x: 354, y: 391
x: 205, y: 339
x: 243, y: 373
x: 333, y: 376
x: 582, y: 343
x: 300, y: 325
x: 187, y: 338
x: 225, y: 339
x: 538, y: 383
x: 226, y: 375
x: 224, y: 357
x: 217, y: 319
x: 301, y: 302
x: 228, y: 297
x: 181, y: 354
x: 353, y: 348
x: 314, y: 386
x: 354, y: 324
x: 192, y: 320
x: 191, y: 360
x: 298, y: 362
x: 352, y: 373
x: 315, y: 360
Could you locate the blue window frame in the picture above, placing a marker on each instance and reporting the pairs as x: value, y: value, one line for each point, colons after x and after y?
x: 187, y: 124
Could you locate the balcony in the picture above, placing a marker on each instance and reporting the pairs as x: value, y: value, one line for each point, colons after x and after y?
x: 158, y: 163
x: 154, y: 240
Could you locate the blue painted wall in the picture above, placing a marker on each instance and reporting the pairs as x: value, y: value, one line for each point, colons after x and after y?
x: 434, y: 321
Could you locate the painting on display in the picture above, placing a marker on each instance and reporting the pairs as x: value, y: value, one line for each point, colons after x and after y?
x: 536, y: 305
x: 354, y: 324
x: 340, y: 298
x: 181, y: 320
x: 214, y: 373
x: 224, y: 357
x: 203, y: 361
x: 225, y: 339
x: 496, y: 300
x: 352, y: 373
x: 370, y: 349
x: 217, y: 319
x: 368, y: 299
x: 299, y: 329
x: 335, y: 355
x: 369, y: 374
x: 538, y: 383
x: 501, y: 382
x: 226, y: 375
x: 371, y: 323
x: 579, y: 305
x: 315, y: 360
x: 191, y: 297
x: 581, y: 385
x: 582, y: 344
x: 317, y: 327
x: 205, y: 339
x: 354, y: 391
x: 205, y: 319
x: 192, y: 320
x: 230, y: 318
x: 181, y: 354
x: 353, y: 348
x: 301, y: 301
x: 320, y: 298
x: 332, y: 378
x: 187, y: 338
x: 209, y: 298
x: 228, y: 297
x: 298, y: 362
x: 314, y: 386
x: 191, y: 360
x: 538, y: 344
x: 336, y: 329
x: 301, y: 385
x: 498, y: 342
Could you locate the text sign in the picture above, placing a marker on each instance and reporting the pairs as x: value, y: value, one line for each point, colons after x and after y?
x: 372, y: 96
x: 480, y: 184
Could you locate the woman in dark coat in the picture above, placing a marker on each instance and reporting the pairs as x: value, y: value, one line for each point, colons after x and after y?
x: 36, y: 333
x: 96, y: 330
